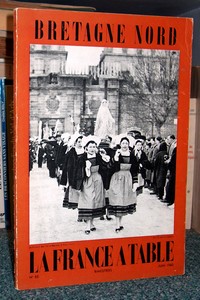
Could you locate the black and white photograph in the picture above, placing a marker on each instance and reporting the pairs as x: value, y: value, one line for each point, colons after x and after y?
x: 102, y: 146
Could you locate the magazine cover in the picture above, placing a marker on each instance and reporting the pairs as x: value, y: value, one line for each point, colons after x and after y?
x: 4, y: 207
x: 101, y: 138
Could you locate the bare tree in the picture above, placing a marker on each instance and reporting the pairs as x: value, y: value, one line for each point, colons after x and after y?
x: 155, y: 86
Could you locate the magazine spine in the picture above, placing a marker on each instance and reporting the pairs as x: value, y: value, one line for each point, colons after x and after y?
x: 2, y: 208
x: 4, y: 195
x: 4, y: 154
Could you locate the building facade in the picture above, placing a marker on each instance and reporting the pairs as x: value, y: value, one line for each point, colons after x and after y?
x: 63, y: 98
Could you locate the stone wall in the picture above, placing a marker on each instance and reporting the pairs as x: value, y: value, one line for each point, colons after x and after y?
x: 75, y: 99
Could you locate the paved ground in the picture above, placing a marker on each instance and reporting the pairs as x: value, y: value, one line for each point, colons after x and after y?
x: 50, y: 222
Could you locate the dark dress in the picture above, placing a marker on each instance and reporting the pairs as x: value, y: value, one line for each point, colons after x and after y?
x: 60, y: 150
x: 69, y: 175
x: 143, y: 166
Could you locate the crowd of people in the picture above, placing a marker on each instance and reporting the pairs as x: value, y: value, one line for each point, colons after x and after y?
x: 103, y: 177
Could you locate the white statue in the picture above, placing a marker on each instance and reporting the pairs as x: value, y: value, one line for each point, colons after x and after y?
x: 105, y: 124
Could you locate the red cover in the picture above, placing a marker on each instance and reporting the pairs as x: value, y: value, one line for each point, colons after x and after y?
x: 59, y: 94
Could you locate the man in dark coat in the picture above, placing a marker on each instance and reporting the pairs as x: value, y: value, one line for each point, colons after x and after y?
x: 41, y: 153
x: 160, y: 169
x: 156, y: 146
x: 170, y: 188
x: 60, y: 149
x: 50, y: 154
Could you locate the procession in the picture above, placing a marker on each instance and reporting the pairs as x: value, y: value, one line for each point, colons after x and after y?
x: 101, y: 185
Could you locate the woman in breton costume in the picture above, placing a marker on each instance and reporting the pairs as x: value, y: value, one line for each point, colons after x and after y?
x: 91, y: 168
x: 123, y: 184
x: 68, y: 178
x: 143, y: 165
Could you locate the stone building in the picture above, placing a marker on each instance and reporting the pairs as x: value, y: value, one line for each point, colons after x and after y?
x: 62, y: 98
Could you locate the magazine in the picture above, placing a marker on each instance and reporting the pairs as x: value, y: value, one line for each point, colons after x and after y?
x: 101, y: 115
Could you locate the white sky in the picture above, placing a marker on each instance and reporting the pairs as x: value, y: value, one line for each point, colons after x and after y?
x: 83, y: 55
